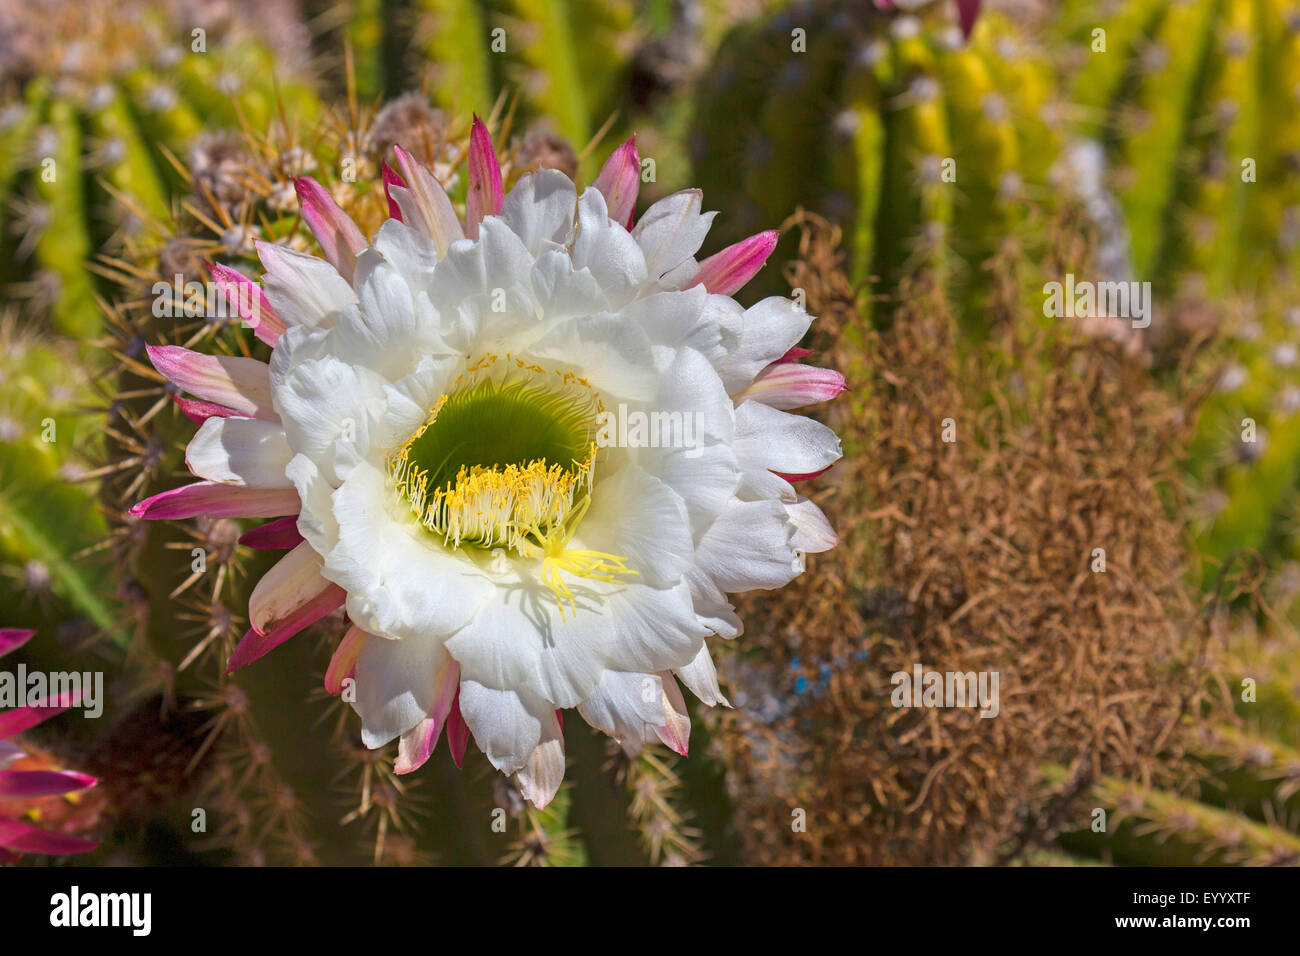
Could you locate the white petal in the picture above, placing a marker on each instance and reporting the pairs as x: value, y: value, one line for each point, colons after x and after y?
x: 680, y: 275
x: 324, y: 401
x: 242, y: 384
x: 240, y: 451
x: 502, y: 646
x: 540, y: 209
x: 608, y: 250
x: 635, y: 515
x: 627, y: 706
x: 543, y: 772
x: 521, y: 638
x: 672, y: 230
x: 679, y: 319
x: 705, y: 478
x: 316, y: 521
x: 768, y: 330
x: 383, y: 331
x: 302, y: 289
x: 498, y: 259
x: 701, y: 679
x: 416, y: 745
x: 396, y: 686
x: 654, y: 628
x: 675, y: 731
x: 687, y: 383
x: 613, y: 355
x: 812, y: 532
x: 563, y: 290
x: 749, y: 547
x: 768, y: 439
x: 425, y: 206
x: 299, y: 344
x: 507, y: 725
x: 290, y: 583
x: 401, y: 581
x: 704, y: 470
x: 413, y: 254
x: 409, y: 400
x: 712, y: 608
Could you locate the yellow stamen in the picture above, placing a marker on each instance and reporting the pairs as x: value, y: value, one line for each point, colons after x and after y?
x: 524, y: 506
x: 579, y: 562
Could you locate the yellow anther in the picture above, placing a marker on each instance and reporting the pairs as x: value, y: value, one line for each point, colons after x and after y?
x: 532, y: 504
x: 580, y: 562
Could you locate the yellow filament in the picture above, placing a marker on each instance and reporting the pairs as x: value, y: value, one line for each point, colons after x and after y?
x: 580, y: 562
x: 522, y: 507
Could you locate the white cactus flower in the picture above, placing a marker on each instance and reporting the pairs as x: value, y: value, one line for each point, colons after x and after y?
x: 531, y: 453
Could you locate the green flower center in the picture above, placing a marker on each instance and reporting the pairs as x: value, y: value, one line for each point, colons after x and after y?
x: 505, y: 457
x: 506, y: 460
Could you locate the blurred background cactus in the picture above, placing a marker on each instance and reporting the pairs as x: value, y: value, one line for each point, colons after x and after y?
x: 931, y: 150
x: 1193, y: 105
x: 1196, y: 102
x: 100, y: 100
x: 942, y: 180
x: 48, y: 518
x: 571, y: 69
x: 568, y: 61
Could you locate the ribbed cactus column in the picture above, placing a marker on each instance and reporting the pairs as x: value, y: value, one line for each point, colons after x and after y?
x: 924, y: 147
x: 48, y: 515
x: 563, y: 59
x: 1196, y: 101
x: 87, y: 148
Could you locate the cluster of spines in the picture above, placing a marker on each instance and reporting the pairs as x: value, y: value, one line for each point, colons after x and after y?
x: 1150, y: 827
x: 263, y: 804
x: 86, y: 157
x: 1238, y: 801
x: 659, y: 808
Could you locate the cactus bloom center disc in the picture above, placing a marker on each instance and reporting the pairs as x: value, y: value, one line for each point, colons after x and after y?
x: 504, y: 460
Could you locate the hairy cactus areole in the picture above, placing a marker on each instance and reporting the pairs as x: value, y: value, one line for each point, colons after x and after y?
x: 530, y: 450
